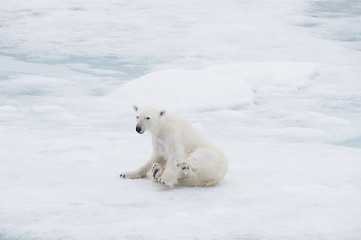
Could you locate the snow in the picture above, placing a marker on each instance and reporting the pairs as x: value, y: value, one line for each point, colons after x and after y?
x: 186, y: 90
x: 276, y: 85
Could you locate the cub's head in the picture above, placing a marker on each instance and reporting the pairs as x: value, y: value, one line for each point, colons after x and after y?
x: 148, y: 118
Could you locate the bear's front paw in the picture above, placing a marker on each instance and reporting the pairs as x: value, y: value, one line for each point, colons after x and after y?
x: 159, y: 180
x: 162, y: 182
x: 166, y: 179
x: 131, y: 175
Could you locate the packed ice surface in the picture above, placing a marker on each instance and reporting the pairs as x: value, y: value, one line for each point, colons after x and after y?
x: 275, y: 84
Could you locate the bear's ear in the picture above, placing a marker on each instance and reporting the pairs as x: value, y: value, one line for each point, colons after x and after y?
x: 162, y: 113
x: 135, y: 107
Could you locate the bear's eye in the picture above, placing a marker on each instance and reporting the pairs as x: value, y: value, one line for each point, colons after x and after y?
x: 148, y: 118
x: 137, y: 117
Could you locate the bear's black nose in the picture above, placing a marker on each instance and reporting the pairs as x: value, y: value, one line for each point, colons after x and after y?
x: 138, y: 129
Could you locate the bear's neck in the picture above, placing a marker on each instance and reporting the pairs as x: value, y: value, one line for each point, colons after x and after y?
x: 160, y: 132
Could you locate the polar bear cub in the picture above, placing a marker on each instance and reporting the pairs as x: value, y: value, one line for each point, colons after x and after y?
x: 181, y: 154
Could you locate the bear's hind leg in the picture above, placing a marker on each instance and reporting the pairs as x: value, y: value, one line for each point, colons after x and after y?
x: 184, y: 167
x: 188, y: 175
x: 155, y: 171
x: 168, y: 176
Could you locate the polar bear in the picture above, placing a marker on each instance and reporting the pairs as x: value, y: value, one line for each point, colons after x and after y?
x: 181, y: 154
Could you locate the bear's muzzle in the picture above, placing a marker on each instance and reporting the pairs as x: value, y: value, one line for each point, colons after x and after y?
x: 138, y: 129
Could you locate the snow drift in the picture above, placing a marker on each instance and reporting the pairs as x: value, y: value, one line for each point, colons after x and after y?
x: 220, y: 87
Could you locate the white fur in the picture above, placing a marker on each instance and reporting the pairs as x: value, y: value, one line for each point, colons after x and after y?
x: 181, y: 154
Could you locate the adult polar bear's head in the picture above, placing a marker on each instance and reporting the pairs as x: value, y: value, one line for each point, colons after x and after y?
x: 148, y: 118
